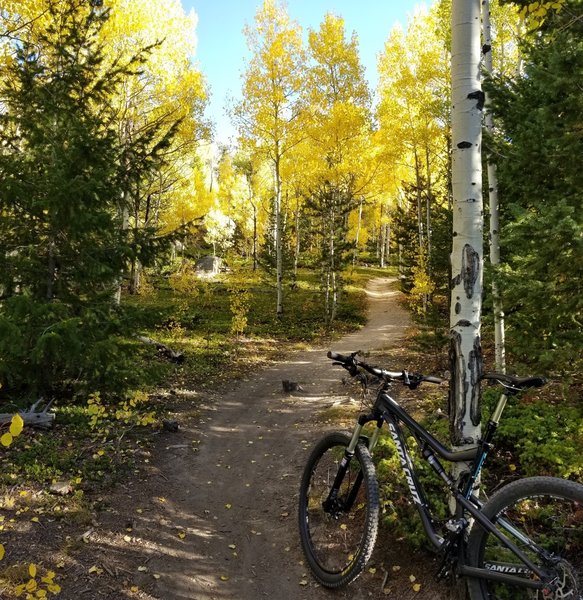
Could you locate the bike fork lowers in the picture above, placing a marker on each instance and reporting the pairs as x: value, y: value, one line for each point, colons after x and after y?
x: 331, y: 501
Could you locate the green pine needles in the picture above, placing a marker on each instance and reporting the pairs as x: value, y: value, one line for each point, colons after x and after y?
x: 64, y: 174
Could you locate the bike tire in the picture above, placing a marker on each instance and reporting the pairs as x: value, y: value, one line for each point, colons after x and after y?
x: 550, y: 512
x: 338, y: 543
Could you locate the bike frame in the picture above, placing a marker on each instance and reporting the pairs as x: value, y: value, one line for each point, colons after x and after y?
x: 387, y: 410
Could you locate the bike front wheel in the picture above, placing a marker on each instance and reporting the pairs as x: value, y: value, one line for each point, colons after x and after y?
x: 338, y: 531
x: 543, y: 516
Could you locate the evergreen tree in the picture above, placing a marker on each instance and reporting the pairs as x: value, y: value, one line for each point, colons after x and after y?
x: 541, y: 180
x: 63, y: 246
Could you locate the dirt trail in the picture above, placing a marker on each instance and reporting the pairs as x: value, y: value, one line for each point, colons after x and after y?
x: 215, y: 517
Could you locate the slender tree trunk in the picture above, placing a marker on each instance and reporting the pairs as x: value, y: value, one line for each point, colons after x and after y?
x: 297, y: 248
x: 382, y: 246
x: 124, y: 227
x: 420, y: 219
x: 51, y: 269
x: 254, y: 236
x: 124, y: 216
x: 428, y: 207
x: 378, y: 238
x: 134, y: 265
x: 467, y: 252
x: 356, y: 240
x: 278, y: 241
x: 419, y: 201
x: 499, y: 344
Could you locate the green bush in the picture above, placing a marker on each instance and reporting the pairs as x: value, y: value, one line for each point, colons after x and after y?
x: 51, y: 347
x: 540, y: 437
x: 399, y: 512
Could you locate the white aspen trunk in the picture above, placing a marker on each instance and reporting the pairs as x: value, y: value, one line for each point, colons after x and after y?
x: 278, y: 241
x: 254, y: 237
x: 419, y: 209
x: 467, y: 250
x: 297, y: 248
x: 382, y: 246
x: 499, y: 342
x: 331, y: 270
x: 357, y: 237
x: 428, y: 206
x: 124, y: 226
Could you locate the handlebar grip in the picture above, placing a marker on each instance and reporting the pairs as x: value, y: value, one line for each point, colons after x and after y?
x: 433, y: 379
x: 339, y: 357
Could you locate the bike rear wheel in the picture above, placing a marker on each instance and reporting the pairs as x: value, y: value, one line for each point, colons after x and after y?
x: 543, y: 516
x: 338, y: 536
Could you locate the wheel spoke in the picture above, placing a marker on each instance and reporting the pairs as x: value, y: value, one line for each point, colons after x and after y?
x: 338, y: 530
x: 544, y: 517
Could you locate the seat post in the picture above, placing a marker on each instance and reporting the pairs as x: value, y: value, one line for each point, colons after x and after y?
x: 497, y: 414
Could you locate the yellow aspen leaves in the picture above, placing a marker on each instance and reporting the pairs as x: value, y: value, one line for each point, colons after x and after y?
x: 2, y: 551
x: 16, y: 427
x: 535, y: 12
x: 33, y: 588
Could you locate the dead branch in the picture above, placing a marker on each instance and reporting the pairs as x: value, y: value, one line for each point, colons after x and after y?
x: 31, y: 417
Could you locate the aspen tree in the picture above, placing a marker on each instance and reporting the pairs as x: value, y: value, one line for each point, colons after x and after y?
x: 269, y: 113
x: 413, y: 91
x: 339, y: 131
x: 467, y: 250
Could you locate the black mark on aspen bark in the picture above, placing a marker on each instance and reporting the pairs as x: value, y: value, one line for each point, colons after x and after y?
x: 475, y: 367
x: 462, y: 322
x: 455, y: 398
x: 463, y: 145
x: 486, y: 48
x: 480, y: 98
x: 458, y: 308
x: 470, y: 271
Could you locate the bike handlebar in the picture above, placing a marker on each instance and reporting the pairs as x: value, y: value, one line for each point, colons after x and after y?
x: 512, y: 383
x: 351, y: 364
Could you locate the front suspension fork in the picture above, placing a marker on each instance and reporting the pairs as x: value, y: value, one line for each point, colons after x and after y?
x: 332, y: 503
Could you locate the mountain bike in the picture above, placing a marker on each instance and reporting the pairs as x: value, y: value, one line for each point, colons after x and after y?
x: 525, y: 542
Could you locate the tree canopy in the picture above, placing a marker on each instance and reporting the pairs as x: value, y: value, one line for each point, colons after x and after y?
x: 111, y: 182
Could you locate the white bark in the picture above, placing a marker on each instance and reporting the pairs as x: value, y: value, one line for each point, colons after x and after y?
x: 357, y: 238
x: 499, y: 344
x: 467, y: 249
x: 278, y: 241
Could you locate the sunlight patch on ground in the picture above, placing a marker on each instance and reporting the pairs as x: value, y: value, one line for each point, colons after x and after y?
x: 385, y: 294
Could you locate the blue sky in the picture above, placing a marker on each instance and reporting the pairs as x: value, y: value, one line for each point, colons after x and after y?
x: 221, y: 48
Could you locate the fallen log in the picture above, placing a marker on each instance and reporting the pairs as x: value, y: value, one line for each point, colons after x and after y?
x: 31, y: 417
x: 163, y: 349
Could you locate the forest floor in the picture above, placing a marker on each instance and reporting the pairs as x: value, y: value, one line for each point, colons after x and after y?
x: 209, y: 513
